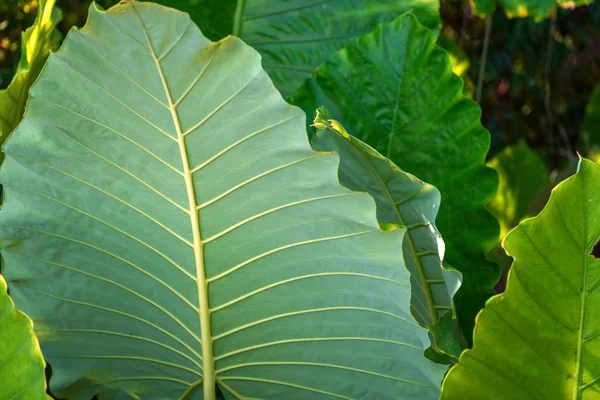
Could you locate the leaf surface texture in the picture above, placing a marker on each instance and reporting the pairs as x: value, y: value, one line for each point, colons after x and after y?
x: 172, y: 228
x: 394, y: 89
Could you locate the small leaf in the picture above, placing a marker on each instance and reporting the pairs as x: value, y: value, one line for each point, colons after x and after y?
x: 36, y: 43
x: 540, y: 338
x: 21, y: 362
x: 523, y: 174
x: 401, y: 199
x: 482, y: 8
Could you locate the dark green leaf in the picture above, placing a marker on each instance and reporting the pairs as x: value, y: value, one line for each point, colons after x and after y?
x: 295, y: 37
x: 395, y: 90
x: 36, y: 43
x: 401, y: 199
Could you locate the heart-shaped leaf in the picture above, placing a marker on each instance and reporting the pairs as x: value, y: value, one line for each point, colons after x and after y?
x: 172, y: 230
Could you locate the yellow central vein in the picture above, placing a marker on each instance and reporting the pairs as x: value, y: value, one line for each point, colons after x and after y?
x: 208, y: 363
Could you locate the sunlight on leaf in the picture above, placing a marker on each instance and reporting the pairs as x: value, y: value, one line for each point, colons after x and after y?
x: 539, y: 339
x: 36, y: 43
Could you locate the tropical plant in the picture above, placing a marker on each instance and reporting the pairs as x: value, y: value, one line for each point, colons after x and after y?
x: 296, y: 37
x: 174, y: 233
x: 411, y: 109
x: 179, y: 203
x: 21, y: 362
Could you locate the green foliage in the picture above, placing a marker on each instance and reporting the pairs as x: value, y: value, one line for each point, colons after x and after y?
x: 21, y: 362
x: 483, y: 8
x: 36, y: 43
x: 590, y: 134
x: 523, y: 174
x: 296, y: 37
x: 395, y: 90
x: 538, y: 9
x: 171, y: 228
x: 539, y: 340
x: 401, y: 199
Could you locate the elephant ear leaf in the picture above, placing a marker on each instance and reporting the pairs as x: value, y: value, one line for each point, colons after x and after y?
x: 395, y: 90
x: 540, y: 339
x: 36, y: 43
x: 172, y: 225
x: 21, y: 362
x: 401, y: 199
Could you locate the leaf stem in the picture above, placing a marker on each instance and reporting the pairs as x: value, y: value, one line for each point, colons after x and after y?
x: 237, y: 20
x: 483, y: 62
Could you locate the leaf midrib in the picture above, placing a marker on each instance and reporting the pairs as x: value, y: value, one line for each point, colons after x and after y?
x: 208, y: 379
x: 578, y: 388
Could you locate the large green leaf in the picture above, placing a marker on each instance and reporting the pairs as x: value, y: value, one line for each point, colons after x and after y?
x: 538, y: 9
x: 401, y: 199
x: 523, y: 174
x: 395, y: 90
x: 541, y: 338
x: 296, y: 36
x: 21, y: 362
x: 171, y: 227
x: 36, y: 43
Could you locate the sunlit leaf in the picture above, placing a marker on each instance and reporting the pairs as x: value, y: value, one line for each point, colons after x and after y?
x: 36, y: 43
x: 401, y: 199
x: 523, y: 174
x: 21, y: 362
x: 540, y: 339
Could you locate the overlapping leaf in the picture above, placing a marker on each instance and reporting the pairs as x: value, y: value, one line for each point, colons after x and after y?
x: 523, y: 174
x: 21, y: 362
x: 401, y: 199
x: 36, y: 43
x: 295, y: 37
x: 171, y: 228
x: 541, y: 338
x: 395, y: 90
